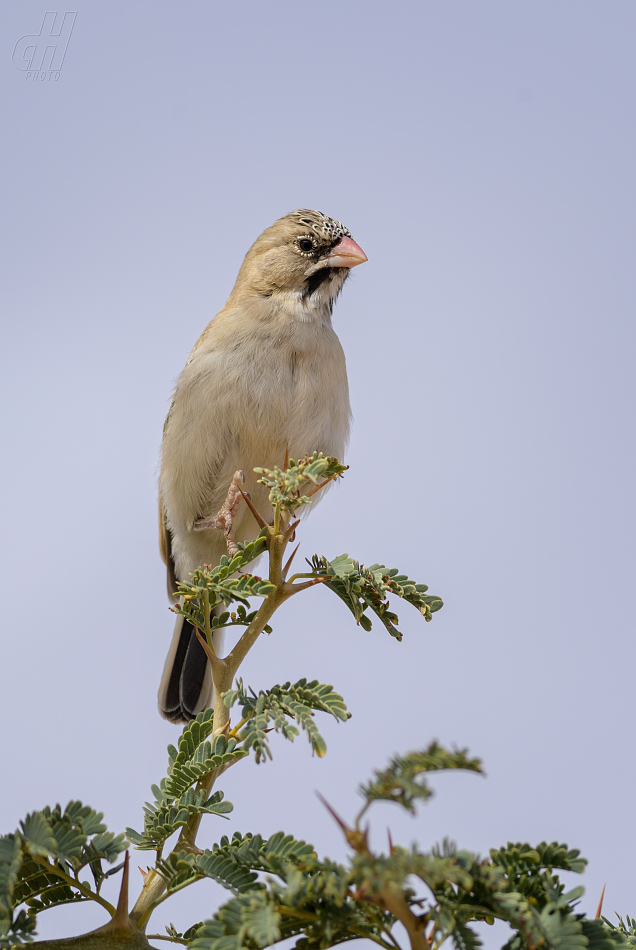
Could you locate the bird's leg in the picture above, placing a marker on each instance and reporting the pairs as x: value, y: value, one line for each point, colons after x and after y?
x: 224, y: 520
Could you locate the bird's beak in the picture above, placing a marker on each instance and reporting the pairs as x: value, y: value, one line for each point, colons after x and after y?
x: 346, y: 253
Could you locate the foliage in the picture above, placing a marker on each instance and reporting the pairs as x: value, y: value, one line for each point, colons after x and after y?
x: 367, y: 588
x: 41, y: 862
x: 399, y: 782
x: 286, y: 486
x: 279, y: 888
x: 330, y: 903
x: 210, y: 587
x: 176, y: 799
x: 624, y: 932
x: 275, y: 708
x: 232, y: 863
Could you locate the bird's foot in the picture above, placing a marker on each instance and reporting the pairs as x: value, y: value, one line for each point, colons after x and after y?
x: 224, y: 520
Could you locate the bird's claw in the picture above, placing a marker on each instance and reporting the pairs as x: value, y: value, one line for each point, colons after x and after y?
x: 224, y: 520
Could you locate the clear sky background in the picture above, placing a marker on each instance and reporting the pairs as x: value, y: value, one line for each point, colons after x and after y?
x: 483, y: 155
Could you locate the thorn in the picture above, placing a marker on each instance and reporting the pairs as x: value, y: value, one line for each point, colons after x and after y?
x: 215, y: 660
x: 288, y: 565
x: 600, y: 903
x: 334, y: 814
x: 289, y: 532
x: 246, y: 498
x: 286, y: 465
x: 318, y: 487
x: 388, y: 831
x: 143, y: 873
x: 121, y: 914
x: 357, y: 839
x: 223, y: 731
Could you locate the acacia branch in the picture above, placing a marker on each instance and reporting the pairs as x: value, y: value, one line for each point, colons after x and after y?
x: 223, y: 673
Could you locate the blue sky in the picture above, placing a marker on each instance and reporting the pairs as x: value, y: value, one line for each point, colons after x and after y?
x: 482, y: 154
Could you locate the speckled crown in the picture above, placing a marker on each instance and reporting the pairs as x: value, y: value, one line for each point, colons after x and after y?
x: 328, y: 229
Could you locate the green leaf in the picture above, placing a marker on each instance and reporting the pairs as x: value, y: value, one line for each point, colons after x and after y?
x: 464, y: 938
x: 278, y: 707
x: 273, y: 854
x: 175, y: 798
x: 163, y: 818
x: 363, y: 588
x: 516, y: 859
x: 38, y: 835
x: 374, y: 872
x: 106, y: 845
x: 223, y: 867
x: 17, y: 931
x: 286, y: 488
x: 601, y: 937
x: 10, y: 864
x: 233, y: 863
x: 182, y: 869
x: 37, y: 880
x: 187, y: 935
x: 208, y: 588
x: 562, y: 929
x: 207, y: 757
x: 84, y: 817
x: 261, y: 921
x: 313, y: 900
x: 50, y: 845
x: 403, y: 781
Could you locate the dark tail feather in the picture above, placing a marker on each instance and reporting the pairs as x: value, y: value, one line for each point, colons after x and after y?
x: 186, y: 684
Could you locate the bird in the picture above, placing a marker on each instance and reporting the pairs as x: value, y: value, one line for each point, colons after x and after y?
x: 266, y: 379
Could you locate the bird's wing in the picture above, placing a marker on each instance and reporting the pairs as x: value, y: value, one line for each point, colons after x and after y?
x: 165, y: 549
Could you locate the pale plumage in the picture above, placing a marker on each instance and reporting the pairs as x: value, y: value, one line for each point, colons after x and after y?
x: 267, y: 374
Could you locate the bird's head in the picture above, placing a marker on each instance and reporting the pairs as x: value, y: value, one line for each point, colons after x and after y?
x: 305, y: 256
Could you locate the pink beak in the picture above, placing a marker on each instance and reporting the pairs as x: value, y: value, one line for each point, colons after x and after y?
x: 346, y: 253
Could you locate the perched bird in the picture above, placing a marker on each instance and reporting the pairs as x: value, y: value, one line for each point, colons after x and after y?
x: 267, y: 375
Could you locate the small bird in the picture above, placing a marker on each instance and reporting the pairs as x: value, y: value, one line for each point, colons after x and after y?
x: 266, y: 377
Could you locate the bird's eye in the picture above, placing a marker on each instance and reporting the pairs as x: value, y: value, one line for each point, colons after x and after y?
x: 306, y: 245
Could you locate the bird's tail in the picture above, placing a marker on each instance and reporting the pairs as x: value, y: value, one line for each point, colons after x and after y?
x: 186, y: 683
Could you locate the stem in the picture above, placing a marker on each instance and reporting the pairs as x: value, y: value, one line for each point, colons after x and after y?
x: 86, y: 891
x: 223, y: 677
x: 361, y: 813
x: 395, y: 902
x: 206, y: 615
x: 276, y: 519
x: 184, y: 943
x: 237, y: 728
x: 392, y: 939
